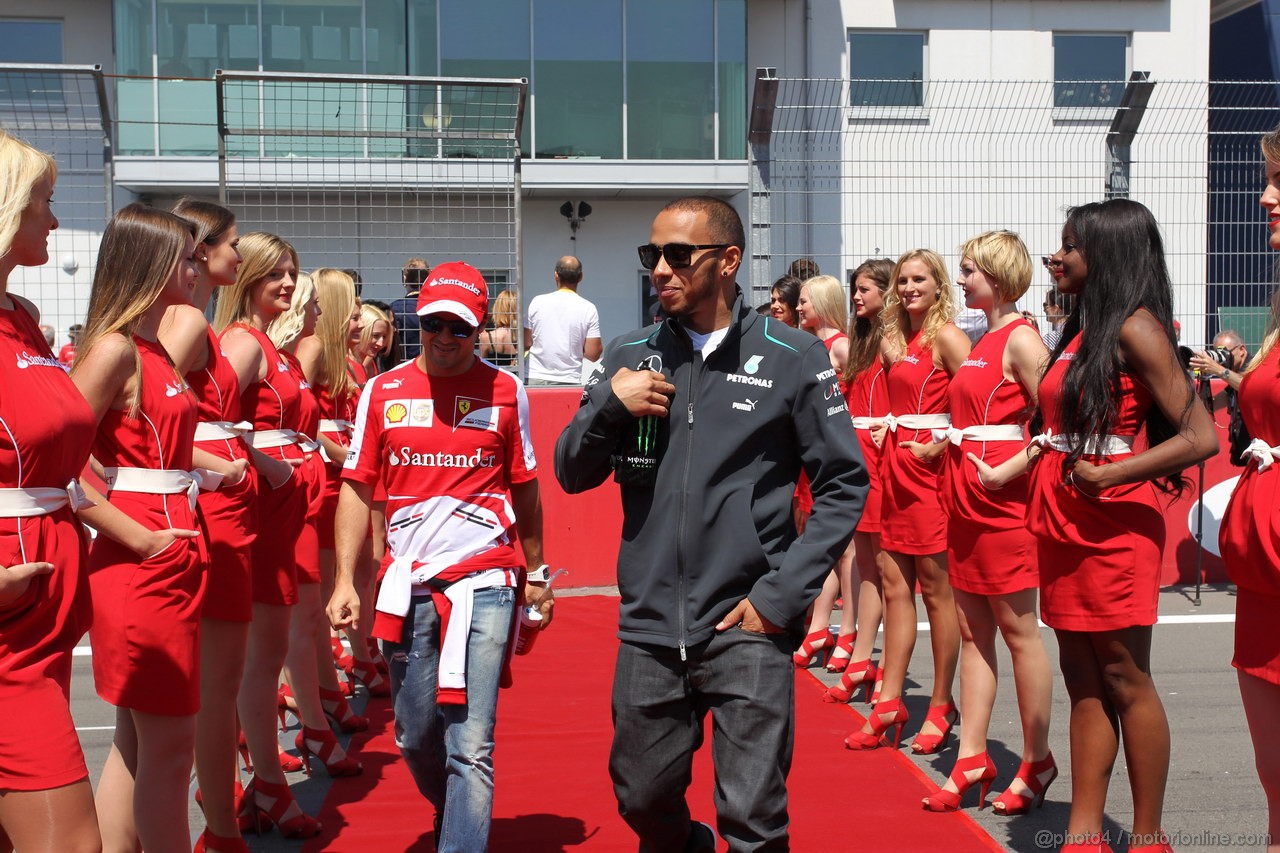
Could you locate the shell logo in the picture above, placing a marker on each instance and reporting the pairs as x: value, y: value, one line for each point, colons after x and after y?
x: 397, y: 412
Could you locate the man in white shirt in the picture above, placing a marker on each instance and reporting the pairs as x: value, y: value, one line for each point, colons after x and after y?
x: 563, y: 328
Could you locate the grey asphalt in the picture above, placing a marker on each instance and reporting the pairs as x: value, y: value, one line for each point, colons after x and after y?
x: 1213, y: 802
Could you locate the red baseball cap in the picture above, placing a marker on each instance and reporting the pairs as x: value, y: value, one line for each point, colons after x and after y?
x: 455, y: 288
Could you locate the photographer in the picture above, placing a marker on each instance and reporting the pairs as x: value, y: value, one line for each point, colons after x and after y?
x: 1224, y: 360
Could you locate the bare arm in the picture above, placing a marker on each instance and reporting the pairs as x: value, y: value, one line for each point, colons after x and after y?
x: 527, y: 501
x: 1145, y: 349
x: 184, y: 335
x: 1023, y: 358
x: 528, y: 338
x: 592, y: 349
x: 351, y: 524
x: 950, y: 348
x: 839, y: 354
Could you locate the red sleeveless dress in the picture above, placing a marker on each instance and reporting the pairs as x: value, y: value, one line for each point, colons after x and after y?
x: 146, y: 612
x: 803, y: 496
x: 44, y: 448
x: 1250, y: 534
x: 1099, y: 557
x: 868, y: 397
x: 272, y: 403
x: 912, y: 520
x: 313, y: 475
x: 989, y: 549
x: 231, y: 519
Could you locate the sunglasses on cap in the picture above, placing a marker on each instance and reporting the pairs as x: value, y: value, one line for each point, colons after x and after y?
x: 678, y: 255
x: 433, y: 325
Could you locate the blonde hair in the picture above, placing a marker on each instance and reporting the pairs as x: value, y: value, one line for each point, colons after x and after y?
x: 21, y: 168
x: 139, y: 252
x: 337, y: 293
x: 896, y: 320
x: 506, y: 310
x: 259, y: 253
x: 286, y: 328
x: 1002, y: 257
x: 370, y: 314
x: 826, y: 295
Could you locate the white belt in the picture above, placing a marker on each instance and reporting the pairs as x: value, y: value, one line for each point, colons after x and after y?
x: 341, y: 426
x: 1098, y: 445
x: 154, y: 481
x: 979, y: 432
x: 1262, y: 453
x: 221, y: 430
x: 265, y: 438
x: 918, y: 422
x: 25, y: 503
x: 868, y: 423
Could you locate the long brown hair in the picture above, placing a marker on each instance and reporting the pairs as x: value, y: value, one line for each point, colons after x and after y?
x: 139, y: 251
x: 259, y: 252
x: 865, y: 332
x: 212, y: 220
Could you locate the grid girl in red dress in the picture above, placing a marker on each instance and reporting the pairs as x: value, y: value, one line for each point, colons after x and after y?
x: 147, y: 566
x: 1095, y: 505
x: 46, y: 802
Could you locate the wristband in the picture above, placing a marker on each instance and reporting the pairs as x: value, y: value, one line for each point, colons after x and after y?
x: 540, y: 575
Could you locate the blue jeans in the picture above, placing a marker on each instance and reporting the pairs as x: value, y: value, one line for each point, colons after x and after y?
x: 449, y: 748
x: 747, y: 682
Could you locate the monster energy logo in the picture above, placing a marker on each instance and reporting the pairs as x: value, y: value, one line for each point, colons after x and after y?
x: 647, y: 435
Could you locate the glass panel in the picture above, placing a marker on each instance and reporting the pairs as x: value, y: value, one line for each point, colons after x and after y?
x: 1097, y: 59
x: 193, y: 41
x: 895, y: 58
x: 424, y: 61
x: 36, y: 42
x: 670, y: 80
x: 578, y: 75
x: 731, y: 46
x: 315, y: 37
x: 482, y: 38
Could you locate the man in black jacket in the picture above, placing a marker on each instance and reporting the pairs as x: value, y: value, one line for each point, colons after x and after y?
x: 705, y: 420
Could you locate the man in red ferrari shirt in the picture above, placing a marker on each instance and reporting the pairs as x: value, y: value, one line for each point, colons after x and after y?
x: 448, y: 436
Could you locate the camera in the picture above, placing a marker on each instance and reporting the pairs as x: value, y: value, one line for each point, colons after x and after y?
x: 1218, y: 355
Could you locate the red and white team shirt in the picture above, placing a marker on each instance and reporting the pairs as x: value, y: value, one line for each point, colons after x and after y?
x: 447, y: 449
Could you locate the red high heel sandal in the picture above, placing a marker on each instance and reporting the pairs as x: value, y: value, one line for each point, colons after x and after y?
x: 1037, y: 776
x: 338, y: 650
x: 368, y: 675
x: 237, y: 799
x: 842, y: 653
x: 375, y: 655
x: 217, y: 844
x: 813, y: 647
x: 321, y: 744
x: 854, y: 676
x: 1161, y: 846
x: 339, y: 712
x: 895, y: 711
x: 242, y: 747
x: 943, y: 800
x: 286, y: 704
x: 943, y: 718
x: 254, y: 815
x: 288, y: 763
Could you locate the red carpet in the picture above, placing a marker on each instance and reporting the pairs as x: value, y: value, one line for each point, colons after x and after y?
x: 553, y: 789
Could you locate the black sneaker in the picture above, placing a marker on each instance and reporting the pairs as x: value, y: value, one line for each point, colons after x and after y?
x: 702, y: 838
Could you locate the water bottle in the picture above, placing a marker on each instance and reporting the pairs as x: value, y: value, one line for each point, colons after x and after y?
x: 531, y: 621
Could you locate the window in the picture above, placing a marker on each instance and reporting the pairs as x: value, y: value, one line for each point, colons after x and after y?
x: 1089, y: 70
x: 887, y: 69
x: 578, y: 74
x: 671, y: 80
x: 35, y: 43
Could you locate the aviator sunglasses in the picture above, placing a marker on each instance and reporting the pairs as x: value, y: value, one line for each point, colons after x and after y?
x: 433, y: 325
x: 678, y: 255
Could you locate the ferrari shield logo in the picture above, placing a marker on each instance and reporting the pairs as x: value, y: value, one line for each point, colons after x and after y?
x: 464, y: 406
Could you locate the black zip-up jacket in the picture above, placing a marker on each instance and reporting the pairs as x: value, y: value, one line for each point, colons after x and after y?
x: 715, y: 524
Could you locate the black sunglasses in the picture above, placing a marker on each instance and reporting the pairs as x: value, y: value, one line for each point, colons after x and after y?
x: 678, y: 255
x: 433, y: 325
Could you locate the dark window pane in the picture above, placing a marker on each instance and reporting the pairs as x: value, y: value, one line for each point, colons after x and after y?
x: 578, y: 78
x: 1088, y: 71
x: 482, y: 38
x: 670, y: 80
x: 36, y: 42
x: 731, y: 47
x: 887, y: 69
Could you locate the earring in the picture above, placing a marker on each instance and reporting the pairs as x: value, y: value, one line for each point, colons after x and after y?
x: 205, y: 259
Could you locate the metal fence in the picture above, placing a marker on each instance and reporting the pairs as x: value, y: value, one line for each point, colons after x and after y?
x: 839, y: 175
x: 363, y: 172
x: 63, y: 110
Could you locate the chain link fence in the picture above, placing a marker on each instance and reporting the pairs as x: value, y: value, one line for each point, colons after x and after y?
x: 845, y: 170
x: 63, y: 110
x: 364, y: 173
